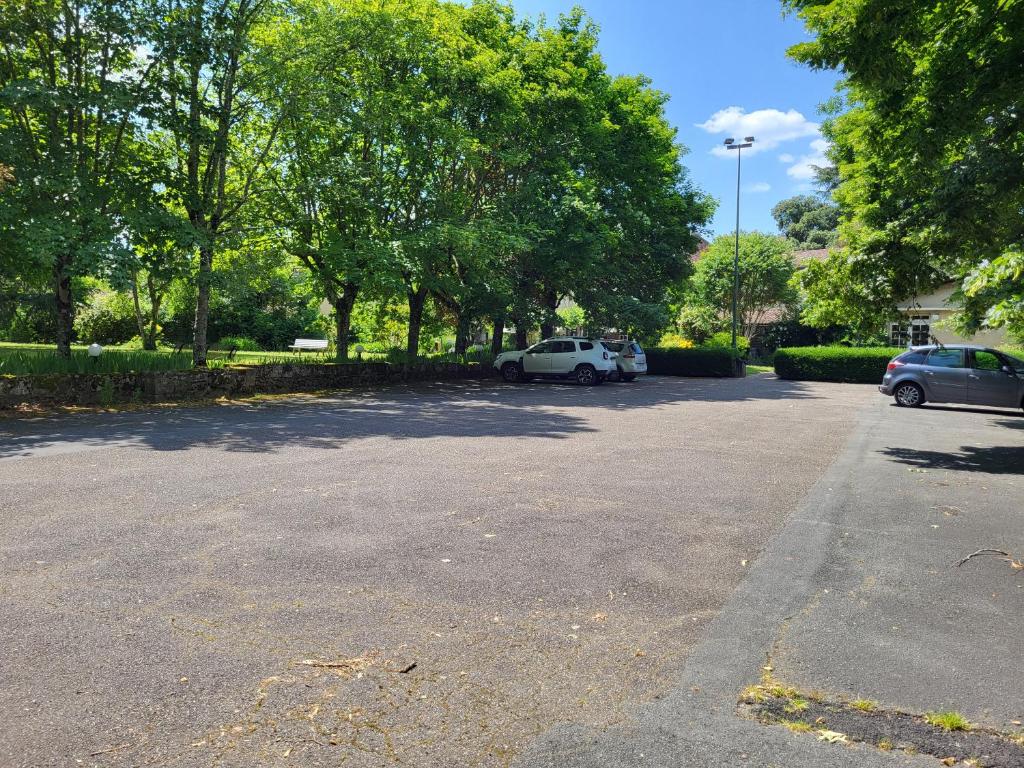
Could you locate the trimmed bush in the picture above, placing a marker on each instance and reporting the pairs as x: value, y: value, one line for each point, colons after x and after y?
x: 700, y: 361
x: 858, y: 365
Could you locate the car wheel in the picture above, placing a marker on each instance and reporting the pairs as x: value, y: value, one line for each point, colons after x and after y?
x: 587, y: 376
x: 512, y: 373
x: 628, y: 376
x: 909, y: 395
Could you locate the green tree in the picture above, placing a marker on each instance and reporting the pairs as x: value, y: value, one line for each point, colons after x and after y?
x: 72, y: 96
x: 928, y: 148
x: 809, y: 221
x: 831, y: 297
x: 209, y: 120
x: 765, y: 270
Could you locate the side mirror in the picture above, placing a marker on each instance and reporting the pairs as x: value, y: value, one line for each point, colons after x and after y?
x: 1009, y: 370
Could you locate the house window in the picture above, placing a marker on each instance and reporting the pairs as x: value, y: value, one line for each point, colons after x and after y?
x: 917, y: 332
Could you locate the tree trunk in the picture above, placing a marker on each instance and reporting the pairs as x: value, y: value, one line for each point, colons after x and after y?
x: 155, y: 300
x: 140, y: 321
x: 520, y: 336
x: 547, y: 328
x: 498, y: 336
x: 417, y: 301
x: 203, y: 282
x: 462, y: 333
x: 343, y: 321
x: 64, y: 305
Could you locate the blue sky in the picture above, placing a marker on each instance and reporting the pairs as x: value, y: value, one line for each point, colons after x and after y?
x: 724, y: 65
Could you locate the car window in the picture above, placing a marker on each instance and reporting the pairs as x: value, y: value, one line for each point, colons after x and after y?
x: 636, y: 349
x: 1013, y: 362
x: 561, y: 347
x: 586, y: 346
x: 946, y: 358
x: 612, y: 346
x: 984, y: 360
x: 540, y: 349
x: 914, y: 357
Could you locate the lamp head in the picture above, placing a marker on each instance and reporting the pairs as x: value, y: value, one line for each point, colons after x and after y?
x: 749, y: 139
x: 729, y: 141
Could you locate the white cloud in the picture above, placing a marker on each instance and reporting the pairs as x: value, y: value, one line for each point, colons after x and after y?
x: 769, y: 127
x: 785, y: 157
x: 758, y: 186
x: 804, y: 167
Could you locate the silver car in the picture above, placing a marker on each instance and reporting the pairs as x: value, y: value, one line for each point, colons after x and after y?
x: 955, y: 373
x: 630, y: 360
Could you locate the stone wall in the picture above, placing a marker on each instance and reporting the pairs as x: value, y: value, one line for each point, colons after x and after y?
x: 205, y: 384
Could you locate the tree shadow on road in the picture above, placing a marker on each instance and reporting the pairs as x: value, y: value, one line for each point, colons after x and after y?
x: 456, y: 409
x: 994, y: 460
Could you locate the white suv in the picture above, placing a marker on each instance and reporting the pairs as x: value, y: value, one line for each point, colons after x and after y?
x: 631, y: 359
x: 585, y: 360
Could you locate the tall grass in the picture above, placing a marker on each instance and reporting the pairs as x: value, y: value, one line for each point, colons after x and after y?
x: 27, y: 360
x: 43, y: 361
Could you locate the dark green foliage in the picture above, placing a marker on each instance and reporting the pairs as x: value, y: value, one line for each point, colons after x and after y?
x: 240, y: 343
x: 26, y: 314
x: 793, y: 333
x: 808, y: 220
x: 700, y: 361
x: 858, y: 365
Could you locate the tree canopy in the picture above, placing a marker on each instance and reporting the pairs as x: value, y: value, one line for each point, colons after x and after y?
x: 810, y: 221
x: 928, y: 141
x: 765, y: 270
x: 450, y: 157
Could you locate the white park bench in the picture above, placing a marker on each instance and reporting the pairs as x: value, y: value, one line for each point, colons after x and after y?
x: 309, y: 345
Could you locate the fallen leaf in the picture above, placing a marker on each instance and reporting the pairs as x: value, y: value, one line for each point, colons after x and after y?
x: 599, y: 616
x: 948, y: 761
x: 833, y: 737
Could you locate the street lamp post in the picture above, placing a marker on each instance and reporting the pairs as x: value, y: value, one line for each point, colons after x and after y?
x: 747, y: 142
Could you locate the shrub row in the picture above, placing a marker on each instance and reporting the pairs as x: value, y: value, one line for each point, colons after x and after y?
x: 859, y: 365
x: 699, y: 361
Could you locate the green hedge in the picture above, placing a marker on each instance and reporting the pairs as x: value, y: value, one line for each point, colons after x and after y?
x: 859, y: 365
x: 699, y: 361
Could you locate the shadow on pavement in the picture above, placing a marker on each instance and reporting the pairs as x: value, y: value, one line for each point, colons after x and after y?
x: 463, y: 409
x: 995, y: 460
x: 969, y: 409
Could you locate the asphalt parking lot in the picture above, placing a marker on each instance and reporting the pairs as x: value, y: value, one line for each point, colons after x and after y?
x: 424, y: 576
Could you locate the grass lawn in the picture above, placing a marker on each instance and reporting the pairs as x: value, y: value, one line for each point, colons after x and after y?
x: 759, y: 368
